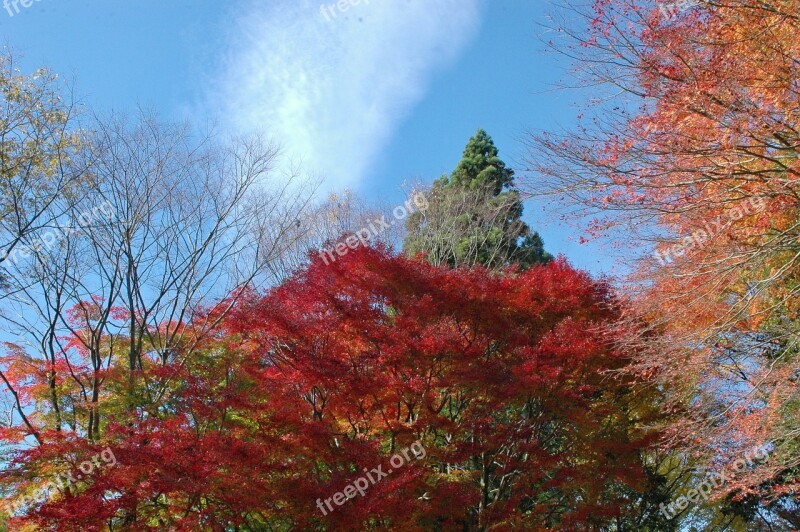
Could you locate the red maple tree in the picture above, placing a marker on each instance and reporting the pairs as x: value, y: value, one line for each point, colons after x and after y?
x: 504, y: 380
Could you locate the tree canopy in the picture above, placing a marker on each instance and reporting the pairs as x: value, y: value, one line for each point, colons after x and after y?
x: 501, y: 381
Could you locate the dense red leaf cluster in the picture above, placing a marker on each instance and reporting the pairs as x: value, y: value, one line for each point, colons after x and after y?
x: 505, y: 379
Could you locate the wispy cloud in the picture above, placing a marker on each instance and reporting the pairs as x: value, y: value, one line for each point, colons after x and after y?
x: 333, y: 87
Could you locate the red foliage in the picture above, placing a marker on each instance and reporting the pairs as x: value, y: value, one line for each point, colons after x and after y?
x: 502, y: 378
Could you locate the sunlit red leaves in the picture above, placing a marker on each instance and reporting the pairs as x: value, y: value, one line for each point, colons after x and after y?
x: 502, y: 377
x: 381, y: 346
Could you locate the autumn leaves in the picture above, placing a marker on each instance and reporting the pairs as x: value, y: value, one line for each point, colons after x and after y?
x: 371, y: 477
x: 698, y: 156
x: 711, y: 229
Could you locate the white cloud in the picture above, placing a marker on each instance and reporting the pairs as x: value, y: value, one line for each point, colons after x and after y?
x: 331, y: 89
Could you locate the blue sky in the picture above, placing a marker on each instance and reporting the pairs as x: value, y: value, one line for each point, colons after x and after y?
x: 370, y: 99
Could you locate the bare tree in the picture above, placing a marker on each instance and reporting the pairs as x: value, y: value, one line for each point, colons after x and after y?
x: 172, y: 224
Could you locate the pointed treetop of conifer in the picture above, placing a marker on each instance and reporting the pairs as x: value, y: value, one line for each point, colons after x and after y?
x: 480, y: 165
